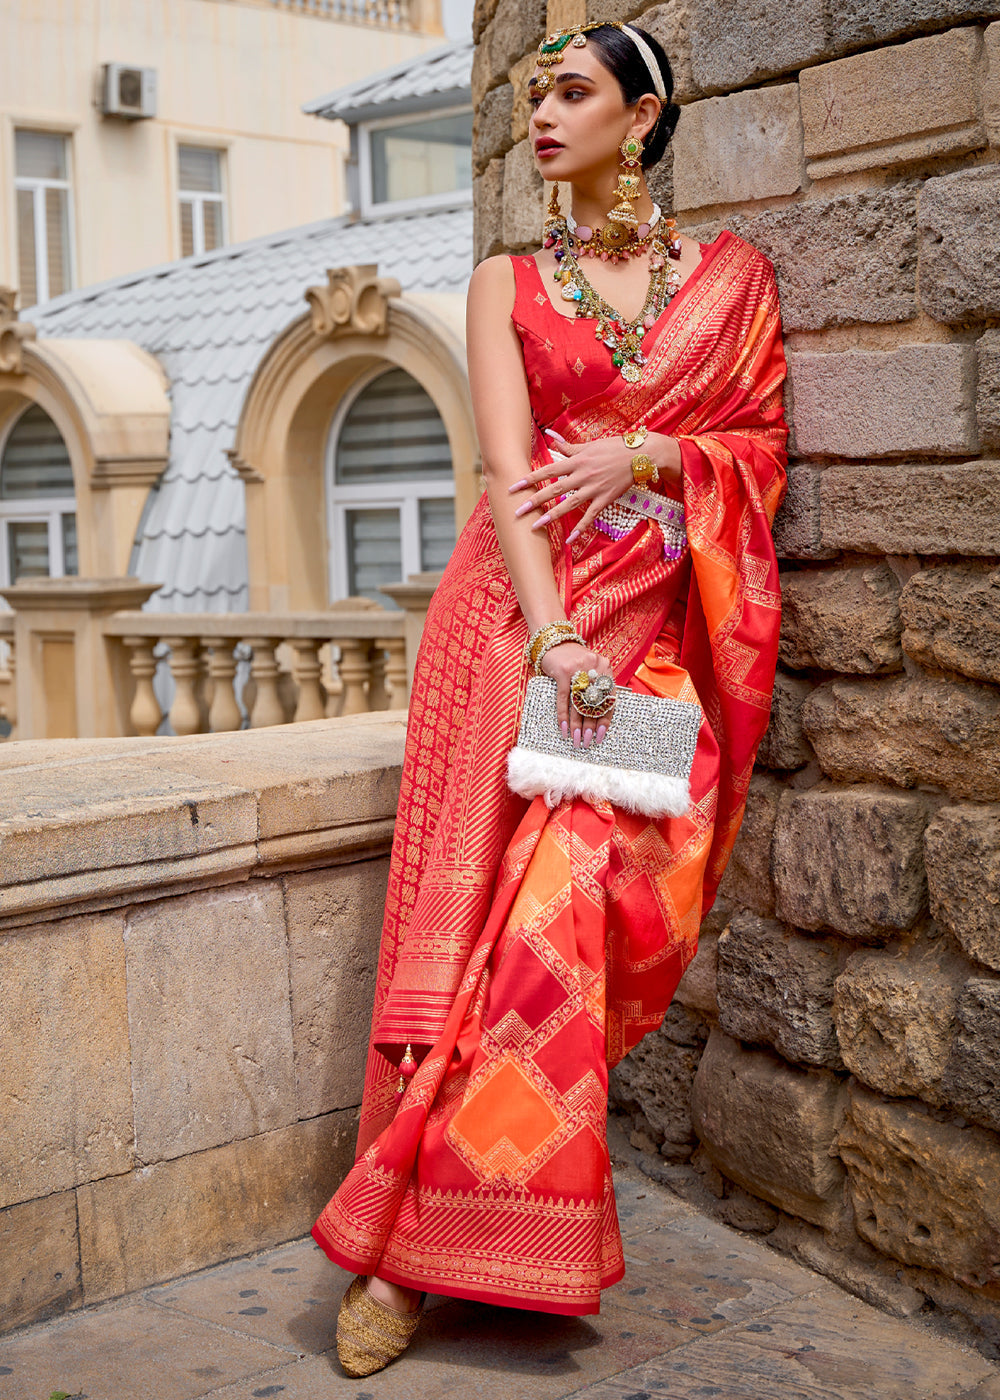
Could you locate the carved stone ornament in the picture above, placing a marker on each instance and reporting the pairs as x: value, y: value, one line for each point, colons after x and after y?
x: 13, y: 333
x: 355, y: 299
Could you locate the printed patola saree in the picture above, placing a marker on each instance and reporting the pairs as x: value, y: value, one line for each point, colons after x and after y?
x: 524, y: 950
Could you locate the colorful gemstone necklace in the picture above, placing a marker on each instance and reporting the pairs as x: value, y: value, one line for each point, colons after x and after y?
x: 623, y: 338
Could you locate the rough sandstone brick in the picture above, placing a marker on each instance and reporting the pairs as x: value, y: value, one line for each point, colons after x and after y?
x: 972, y: 1077
x: 991, y: 87
x: 669, y: 24
x: 747, y: 879
x: 482, y: 13
x: 988, y: 403
x: 776, y: 988
x: 656, y: 1080
x: 907, y: 732
x: 66, y: 1093
x: 731, y: 149
x: 884, y: 403
x: 491, y: 135
x: 520, y: 115
x: 911, y: 509
x: 895, y: 1018
x: 962, y: 850
x: 41, y: 1254
x: 952, y: 620
x: 178, y: 1216
x: 860, y: 23
x: 488, y: 198
x: 770, y: 1127
x: 330, y: 917
x: 697, y: 989
x: 893, y: 105
x: 841, y: 620
x: 742, y: 41
x: 841, y: 261
x: 523, y: 201
x: 850, y: 860
x: 797, y: 523
x: 208, y: 1017
x: 784, y: 745
x: 959, y: 267
x: 923, y: 1191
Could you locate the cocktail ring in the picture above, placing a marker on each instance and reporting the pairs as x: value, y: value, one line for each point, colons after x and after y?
x: 593, y: 695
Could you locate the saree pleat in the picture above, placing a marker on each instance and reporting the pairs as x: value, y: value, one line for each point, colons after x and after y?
x: 524, y: 950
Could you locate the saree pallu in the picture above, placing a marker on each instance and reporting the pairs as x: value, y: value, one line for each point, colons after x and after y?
x: 524, y: 951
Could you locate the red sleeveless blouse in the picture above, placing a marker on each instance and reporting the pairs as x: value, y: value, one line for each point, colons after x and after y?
x: 563, y: 360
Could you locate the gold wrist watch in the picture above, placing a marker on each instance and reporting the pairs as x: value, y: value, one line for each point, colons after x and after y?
x: 644, y: 469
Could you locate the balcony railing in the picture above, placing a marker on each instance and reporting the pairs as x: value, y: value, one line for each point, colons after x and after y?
x: 387, y: 14
x: 78, y: 658
x: 302, y: 666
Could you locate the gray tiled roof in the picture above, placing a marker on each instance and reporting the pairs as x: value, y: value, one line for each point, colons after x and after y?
x: 209, y: 321
x: 407, y: 87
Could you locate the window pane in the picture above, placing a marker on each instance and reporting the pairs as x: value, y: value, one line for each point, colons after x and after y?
x: 28, y: 549
x: 374, y: 551
x: 437, y: 533
x: 35, y: 461
x: 211, y: 212
x: 57, y: 241
x: 71, y: 563
x: 392, y: 430
x: 422, y: 158
x: 27, y: 270
x: 40, y: 155
x: 187, y: 228
x: 199, y: 170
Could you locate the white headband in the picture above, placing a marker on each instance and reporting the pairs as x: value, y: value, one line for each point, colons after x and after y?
x: 651, y: 63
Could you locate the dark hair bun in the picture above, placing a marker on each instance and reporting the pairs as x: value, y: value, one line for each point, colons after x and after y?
x: 621, y: 57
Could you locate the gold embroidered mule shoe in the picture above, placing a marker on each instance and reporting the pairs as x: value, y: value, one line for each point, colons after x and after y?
x: 370, y: 1334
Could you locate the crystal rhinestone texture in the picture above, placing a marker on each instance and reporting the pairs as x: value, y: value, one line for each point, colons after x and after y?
x: 650, y: 733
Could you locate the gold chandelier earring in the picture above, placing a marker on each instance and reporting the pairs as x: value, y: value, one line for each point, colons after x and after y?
x: 622, y: 221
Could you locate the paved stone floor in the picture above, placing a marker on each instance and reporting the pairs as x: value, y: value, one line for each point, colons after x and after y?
x: 702, y: 1311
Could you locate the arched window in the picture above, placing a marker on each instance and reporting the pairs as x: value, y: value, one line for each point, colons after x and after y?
x: 37, y: 501
x: 391, y: 488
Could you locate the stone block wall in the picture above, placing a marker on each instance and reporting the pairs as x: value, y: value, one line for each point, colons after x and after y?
x: 830, y: 1072
x: 188, y: 937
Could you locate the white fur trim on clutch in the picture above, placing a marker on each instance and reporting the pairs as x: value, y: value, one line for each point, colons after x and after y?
x: 533, y: 774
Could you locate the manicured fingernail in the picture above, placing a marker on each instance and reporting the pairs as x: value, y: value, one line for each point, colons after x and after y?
x: 576, y: 738
x: 602, y: 729
x: 542, y: 520
x: 565, y: 729
x: 523, y: 510
x: 588, y: 738
x: 552, y: 433
x: 518, y: 486
x: 573, y: 535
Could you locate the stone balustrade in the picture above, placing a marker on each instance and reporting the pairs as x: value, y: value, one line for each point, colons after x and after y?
x: 346, y: 661
x: 391, y: 14
x: 93, y: 664
x: 192, y: 927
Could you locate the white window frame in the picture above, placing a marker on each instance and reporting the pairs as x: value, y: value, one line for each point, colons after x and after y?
x: 399, y: 206
x: 33, y: 510
x: 199, y: 198
x: 38, y: 185
x: 405, y: 496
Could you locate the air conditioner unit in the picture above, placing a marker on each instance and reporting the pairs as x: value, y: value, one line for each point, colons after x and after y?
x: 128, y: 92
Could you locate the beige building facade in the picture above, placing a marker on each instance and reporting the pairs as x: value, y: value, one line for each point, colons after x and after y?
x: 132, y: 135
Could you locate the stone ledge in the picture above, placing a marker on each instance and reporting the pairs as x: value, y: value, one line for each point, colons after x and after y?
x: 122, y: 820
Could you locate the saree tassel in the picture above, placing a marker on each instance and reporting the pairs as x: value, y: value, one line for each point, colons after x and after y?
x: 407, y: 1069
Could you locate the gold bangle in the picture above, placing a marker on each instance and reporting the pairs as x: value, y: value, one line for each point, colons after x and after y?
x: 541, y: 635
x: 644, y: 469
x: 636, y: 437
x: 553, y: 641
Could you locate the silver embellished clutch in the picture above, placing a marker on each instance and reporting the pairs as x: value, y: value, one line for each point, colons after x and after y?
x: 643, y: 763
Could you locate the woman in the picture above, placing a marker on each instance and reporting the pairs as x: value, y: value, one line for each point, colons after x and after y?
x: 526, y: 947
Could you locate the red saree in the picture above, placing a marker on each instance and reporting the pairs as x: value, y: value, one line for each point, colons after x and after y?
x: 526, y: 950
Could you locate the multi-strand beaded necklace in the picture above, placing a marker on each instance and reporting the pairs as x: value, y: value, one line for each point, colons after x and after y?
x: 623, y: 338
